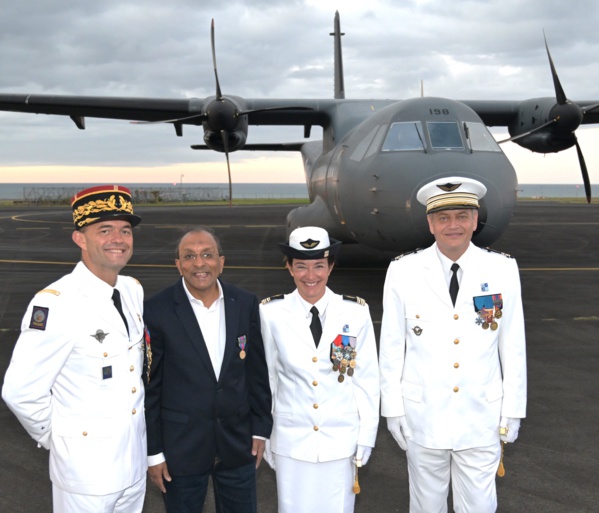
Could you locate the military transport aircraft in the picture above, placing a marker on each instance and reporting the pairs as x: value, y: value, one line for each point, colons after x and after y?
x: 375, y: 154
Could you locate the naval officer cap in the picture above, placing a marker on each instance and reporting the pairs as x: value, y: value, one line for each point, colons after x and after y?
x: 101, y: 203
x: 451, y: 193
x: 310, y: 243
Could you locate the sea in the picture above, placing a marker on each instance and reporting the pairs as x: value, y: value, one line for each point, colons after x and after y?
x: 191, y: 192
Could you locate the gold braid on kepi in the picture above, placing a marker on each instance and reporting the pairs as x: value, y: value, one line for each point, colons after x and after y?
x: 451, y: 193
x: 101, y: 203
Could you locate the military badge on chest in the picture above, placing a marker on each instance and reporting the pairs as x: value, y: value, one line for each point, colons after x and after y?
x: 489, y: 310
x: 343, y: 354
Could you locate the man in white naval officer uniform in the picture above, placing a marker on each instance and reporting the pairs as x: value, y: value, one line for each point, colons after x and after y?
x: 75, y: 378
x: 324, y: 380
x: 452, y: 355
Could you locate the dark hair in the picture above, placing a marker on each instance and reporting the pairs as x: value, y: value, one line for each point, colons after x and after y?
x: 199, y: 229
x: 289, y: 260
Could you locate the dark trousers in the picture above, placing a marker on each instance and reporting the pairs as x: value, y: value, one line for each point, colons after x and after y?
x: 234, y: 491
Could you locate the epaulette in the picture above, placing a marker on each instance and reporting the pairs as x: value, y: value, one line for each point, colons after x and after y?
x: 407, y: 253
x: 49, y: 291
x: 355, y: 299
x: 507, y: 255
x: 271, y: 298
x: 135, y: 280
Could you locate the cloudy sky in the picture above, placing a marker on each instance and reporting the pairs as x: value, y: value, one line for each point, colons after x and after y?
x: 460, y: 49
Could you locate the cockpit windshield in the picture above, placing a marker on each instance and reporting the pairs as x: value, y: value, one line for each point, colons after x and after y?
x: 445, y: 135
x: 404, y: 136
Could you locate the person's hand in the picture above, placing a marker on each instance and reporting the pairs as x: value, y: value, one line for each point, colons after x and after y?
x: 158, y: 474
x: 362, y: 455
x: 269, y: 456
x: 512, y: 425
x: 258, y: 449
x: 399, y: 429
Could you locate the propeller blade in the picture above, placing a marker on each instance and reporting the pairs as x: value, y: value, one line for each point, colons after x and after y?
x: 585, y: 173
x: 519, y: 136
x: 202, y: 116
x: 560, y: 96
x: 590, y: 108
x: 225, y: 137
x: 219, y: 94
x: 252, y: 111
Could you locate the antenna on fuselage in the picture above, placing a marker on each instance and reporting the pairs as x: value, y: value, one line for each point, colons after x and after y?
x: 338, y: 59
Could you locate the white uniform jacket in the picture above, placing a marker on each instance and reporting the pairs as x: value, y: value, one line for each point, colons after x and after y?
x: 451, y: 378
x: 317, y: 418
x: 75, y: 383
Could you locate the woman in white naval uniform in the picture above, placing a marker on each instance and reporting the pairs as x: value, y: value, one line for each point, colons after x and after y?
x: 325, y: 386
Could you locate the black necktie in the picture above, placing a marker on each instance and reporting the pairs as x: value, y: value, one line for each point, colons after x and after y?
x: 315, y: 326
x: 453, y: 284
x: 116, y: 299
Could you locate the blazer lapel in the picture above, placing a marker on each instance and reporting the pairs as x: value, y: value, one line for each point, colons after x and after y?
x: 188, y: 320
x: 298, y: 326
x: 231, y: 323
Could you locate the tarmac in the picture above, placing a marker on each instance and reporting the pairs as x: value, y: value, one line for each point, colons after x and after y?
x: 553, y: 466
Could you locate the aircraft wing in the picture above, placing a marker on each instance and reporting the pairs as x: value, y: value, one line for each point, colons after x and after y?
x: 260, y: 112
x: 505, y: 112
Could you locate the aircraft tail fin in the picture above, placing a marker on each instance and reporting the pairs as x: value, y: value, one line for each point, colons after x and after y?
x: 338, y: 59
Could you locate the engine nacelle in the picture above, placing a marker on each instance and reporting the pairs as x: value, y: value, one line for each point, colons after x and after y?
x: 225, y: 121
x: 556, y: 136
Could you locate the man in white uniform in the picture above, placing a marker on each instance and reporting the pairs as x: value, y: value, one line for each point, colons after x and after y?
x: 452, y: 355
x: 75, y: 378
x: 322, y: 363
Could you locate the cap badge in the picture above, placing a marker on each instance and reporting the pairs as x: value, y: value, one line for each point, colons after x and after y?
x: 449, y: 187
x: 310, y: 243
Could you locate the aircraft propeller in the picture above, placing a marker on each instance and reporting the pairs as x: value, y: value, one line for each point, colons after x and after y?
x: 567, y: 117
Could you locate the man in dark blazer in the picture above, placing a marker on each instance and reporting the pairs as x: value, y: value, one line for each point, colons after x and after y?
x: 208, y: 400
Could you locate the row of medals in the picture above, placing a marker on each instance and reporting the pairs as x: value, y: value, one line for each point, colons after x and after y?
x: 493, y: 324
x: 345, y: 365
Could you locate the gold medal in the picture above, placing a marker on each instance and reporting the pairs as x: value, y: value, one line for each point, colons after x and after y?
x: 498, y: 314
x: 342, y: 370
x: 350, y: 371
x: 344, y: 363
x: 242, y: 354
x: 485, y: 325
x: 341, y: 378
x: 352, y: 364
x: 335, y: 368
x: 494, y: 325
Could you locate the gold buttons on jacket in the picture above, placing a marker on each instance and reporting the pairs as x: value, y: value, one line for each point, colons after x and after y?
x: 456, y: 316
x: 456, y: 341
x: 84, y: 433
x: 133, y: 390
x: 417, y: 316
x: 315, y: 383
x: 105, y: 355
x: 132, y: 368
x: 134, y: 411
x: 456, y: 389
x: 315, y: 428
x: 456, y: 365
x: 315, y: 406
x: 314, y: 359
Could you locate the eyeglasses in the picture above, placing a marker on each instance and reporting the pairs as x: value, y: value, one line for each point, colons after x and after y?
x: 205, y: 257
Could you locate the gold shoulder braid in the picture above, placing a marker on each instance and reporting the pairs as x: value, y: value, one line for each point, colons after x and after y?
x: 355, y: 299
x: 272, y: 298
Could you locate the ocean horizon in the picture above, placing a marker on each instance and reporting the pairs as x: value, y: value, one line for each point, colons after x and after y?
x: 220, y: 191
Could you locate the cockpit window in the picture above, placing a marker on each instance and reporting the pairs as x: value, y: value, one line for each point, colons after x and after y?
x: 445, y: 135
x: 404, y: 136
x: 479, y: 137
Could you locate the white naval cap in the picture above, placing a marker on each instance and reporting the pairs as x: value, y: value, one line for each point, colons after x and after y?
x: 310, y: 243
x: 450, y: 193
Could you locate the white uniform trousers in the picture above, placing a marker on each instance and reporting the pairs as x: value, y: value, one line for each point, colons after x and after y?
x: 129, y: 500
x: 472, y: 473
x: 305, y: 487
